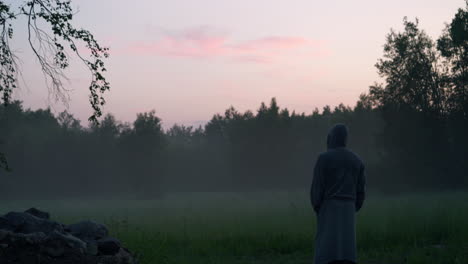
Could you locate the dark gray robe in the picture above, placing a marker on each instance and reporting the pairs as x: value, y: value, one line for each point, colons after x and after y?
x: 337, y: 192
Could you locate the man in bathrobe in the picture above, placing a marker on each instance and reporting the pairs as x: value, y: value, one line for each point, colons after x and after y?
x: 337, y: 193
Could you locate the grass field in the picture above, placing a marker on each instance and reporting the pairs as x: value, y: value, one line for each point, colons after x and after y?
x: 272, y: 227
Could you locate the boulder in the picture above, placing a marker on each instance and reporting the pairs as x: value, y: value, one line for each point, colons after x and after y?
x: 32, y: 238
x: 3, y: 234
x: 5, y: 225
x: 108, y: 246
x: 69, y: 240
x: 92, y: 248
x: 27, y: 223
x: 38, y: 213
x: 88, y: 230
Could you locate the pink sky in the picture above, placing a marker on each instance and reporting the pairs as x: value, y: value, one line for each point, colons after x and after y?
x: 204, y: 42
x: 191, y: 59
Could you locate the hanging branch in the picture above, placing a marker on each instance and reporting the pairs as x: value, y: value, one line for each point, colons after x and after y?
x: 49, y: 49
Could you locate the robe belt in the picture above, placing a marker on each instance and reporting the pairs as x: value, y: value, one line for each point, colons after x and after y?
x: 341, y: 198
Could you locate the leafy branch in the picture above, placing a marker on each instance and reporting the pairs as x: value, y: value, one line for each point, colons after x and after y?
x: 50, y: 50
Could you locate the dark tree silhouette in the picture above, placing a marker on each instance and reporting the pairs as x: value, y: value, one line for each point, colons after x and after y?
x: 409, y: 67
x: 453, y: 46
x: 412, y: 88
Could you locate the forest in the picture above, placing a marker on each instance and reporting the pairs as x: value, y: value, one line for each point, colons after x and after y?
x: 410, y: 129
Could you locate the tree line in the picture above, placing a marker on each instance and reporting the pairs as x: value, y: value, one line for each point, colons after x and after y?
x: 411, y: 130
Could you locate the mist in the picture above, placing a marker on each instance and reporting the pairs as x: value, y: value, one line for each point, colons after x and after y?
x: 269, y: 149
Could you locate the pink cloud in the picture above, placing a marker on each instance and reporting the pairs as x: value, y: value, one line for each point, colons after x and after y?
x: 253, y: 58
x: 197, y: 42
x: 273, y: 43
x: 206, y: 42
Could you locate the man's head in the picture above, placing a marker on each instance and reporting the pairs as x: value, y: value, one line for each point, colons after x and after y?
x: 338, y: 136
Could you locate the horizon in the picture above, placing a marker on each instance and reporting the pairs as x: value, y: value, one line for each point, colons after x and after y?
x: 205, y: 59
x: 195, y: 124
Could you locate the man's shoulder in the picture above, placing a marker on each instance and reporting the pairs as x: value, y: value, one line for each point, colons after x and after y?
x: 355, y: 156
x: 339, y: 154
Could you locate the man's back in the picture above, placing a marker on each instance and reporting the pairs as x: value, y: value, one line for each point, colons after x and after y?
x: 343, y: 172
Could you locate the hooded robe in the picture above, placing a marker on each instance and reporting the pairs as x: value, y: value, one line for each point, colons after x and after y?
x: 337, y: 193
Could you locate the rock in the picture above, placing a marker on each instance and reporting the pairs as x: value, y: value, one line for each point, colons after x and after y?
x: 57, y: 244
x: 108, y: 246
x: 27, y: 223
x: 38, y: 213
x: 88, y: 230
x: 14, y: 219
x: 125, y: 257
x: 5, y: 225
x: 69, y: 240
x: 92, y: 248
x: 31, y: 237
x: 4, y: 234
x: 54, y: 249
x: 35, y: 238
x: 23, y: 239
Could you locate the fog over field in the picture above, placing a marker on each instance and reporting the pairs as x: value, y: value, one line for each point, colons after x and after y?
x: 270, y: 227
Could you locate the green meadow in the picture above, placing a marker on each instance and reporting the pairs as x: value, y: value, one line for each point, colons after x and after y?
x: 274, y: 227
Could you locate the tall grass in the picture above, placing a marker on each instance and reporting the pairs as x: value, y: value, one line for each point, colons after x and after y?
x: 276, y: 227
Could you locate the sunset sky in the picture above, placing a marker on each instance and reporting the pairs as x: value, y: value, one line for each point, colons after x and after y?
x: 191, y: 59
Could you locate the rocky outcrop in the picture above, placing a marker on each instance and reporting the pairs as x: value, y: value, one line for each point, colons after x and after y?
x: 30, y: 237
